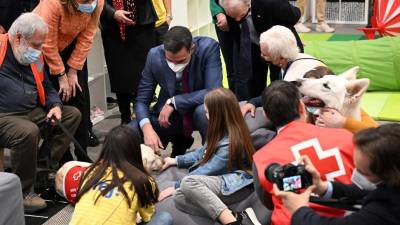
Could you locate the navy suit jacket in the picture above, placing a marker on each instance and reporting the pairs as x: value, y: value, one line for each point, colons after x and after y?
x: 205, y: 74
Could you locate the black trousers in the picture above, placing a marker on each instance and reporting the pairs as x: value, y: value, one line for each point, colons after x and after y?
x: 81, y: 101
x: 227, y: 43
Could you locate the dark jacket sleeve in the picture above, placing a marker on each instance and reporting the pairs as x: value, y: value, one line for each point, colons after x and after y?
x: 288, y: 14
x: 264, y: 196
x: 256, y: 101
x: 351, y: 191
x: 369, y: 214
x: 146, y: 88
x: 108, y: 11
x: 52, y: 98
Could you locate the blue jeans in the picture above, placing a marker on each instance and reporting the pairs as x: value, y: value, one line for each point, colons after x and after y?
x: 160, y: 218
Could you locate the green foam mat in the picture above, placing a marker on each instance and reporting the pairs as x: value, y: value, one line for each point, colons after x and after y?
x: 314, y: 37
x: 346, y: 37
x: 382, y: 105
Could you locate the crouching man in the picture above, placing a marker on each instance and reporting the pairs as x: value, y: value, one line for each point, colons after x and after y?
x: 27, y: 102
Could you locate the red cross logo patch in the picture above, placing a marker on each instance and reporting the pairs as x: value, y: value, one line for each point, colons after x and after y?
x: 328, y: 162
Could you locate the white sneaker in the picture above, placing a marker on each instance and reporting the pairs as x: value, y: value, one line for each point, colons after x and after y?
x: 301, y: 28
x: 324, y: 27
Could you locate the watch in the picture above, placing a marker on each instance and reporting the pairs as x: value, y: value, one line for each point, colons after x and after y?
x: 169, y: 102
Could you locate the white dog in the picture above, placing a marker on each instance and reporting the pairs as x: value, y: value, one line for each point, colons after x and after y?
x: 342, y: 92
x: 151, y: 161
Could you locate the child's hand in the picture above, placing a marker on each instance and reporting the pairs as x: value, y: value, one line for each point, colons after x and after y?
x: 166, y: 193
x: 138, y: 218
x: 168, y: 162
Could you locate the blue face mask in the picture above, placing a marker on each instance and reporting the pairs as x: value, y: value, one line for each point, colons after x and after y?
x: 31, y: 55
x: 87, y: 8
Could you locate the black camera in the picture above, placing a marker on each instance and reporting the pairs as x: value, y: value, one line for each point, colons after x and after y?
x: 288, y: 177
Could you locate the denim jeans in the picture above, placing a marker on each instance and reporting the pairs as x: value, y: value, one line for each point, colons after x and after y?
x: 160, y: 218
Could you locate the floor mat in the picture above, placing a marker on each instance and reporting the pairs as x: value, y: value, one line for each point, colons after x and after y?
x: 42, y: 216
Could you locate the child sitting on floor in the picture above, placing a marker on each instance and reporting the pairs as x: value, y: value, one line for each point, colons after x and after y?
x: 116, y: 187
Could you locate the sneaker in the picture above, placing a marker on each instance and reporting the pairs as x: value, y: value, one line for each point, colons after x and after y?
x: 301, y: 28
x: 324, y: 27
x: 33, y: 203
x: 248, y: 217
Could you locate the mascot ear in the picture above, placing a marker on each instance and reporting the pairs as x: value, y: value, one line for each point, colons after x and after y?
x: 356, y: 88
x: 350, y: 74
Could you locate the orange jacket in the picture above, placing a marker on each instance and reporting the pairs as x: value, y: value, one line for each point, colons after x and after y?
x: 65, y: 28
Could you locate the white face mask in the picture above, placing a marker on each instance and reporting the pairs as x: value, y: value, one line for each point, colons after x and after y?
x: 177, y: 68
x: 362, y: 182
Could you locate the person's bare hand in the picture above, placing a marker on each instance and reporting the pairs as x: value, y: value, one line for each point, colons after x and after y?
x: 56, y: 112
x: 222, y: 22
x: 166, y: 193
x: 164, y: 115
x: 168, y: 161
x: 248, y: 107
x: 121, y: 16
x: 2, y: 30
x: 330, y: 118
x: 151, y: 138
x: 293, y: 201
x: 73, y: 81
x: 320, y: 185
x: 64, y: 91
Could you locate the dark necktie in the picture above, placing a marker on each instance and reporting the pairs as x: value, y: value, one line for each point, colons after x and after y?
x: 187, y: 116
x: 245, y: 62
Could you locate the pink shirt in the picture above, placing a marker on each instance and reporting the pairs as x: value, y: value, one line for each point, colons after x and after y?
x: 63, y: 29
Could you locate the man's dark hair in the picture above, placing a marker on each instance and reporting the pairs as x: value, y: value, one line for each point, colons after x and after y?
x: 382, y: 146
x: 176, y: 38
x: 280, y: 102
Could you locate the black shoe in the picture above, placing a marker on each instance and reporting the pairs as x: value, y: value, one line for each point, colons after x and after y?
x: 247, y: 217
x: 93, y: 140
x: 180, y: 145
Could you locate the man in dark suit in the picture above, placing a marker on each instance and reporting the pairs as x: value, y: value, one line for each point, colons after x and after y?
x: 254, y: 17
x: 11, y: 9
x: 185, y: 69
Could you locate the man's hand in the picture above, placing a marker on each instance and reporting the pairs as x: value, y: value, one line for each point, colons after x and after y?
x: 166, y: 193
x: 121, y: 17
x: 330, y: 118
x: 222, y: 23
x: 2, y: 30
x: 248, y: 107
x: 56, y: 112
x: 168, y: 162
x: 320, y: 186
x: 64, y: 91
x: 73, y: 81
x: 151, y: 138
x: 165, y: 113
x: 293, y: 201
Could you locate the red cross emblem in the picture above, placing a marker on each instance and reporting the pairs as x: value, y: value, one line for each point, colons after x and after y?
x: 328, y: 162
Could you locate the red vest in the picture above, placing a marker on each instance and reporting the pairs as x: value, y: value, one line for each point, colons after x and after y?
x: 330, y: 150
x: 37, y: 68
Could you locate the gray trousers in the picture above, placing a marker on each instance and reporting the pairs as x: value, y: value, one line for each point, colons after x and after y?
x: 12, y: 209
x: 201, y: 195
x: 20, y: 132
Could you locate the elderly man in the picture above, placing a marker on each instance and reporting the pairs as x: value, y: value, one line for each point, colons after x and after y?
x: 27, y: 102
x: 186, y: 69
x: 255, y: 17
